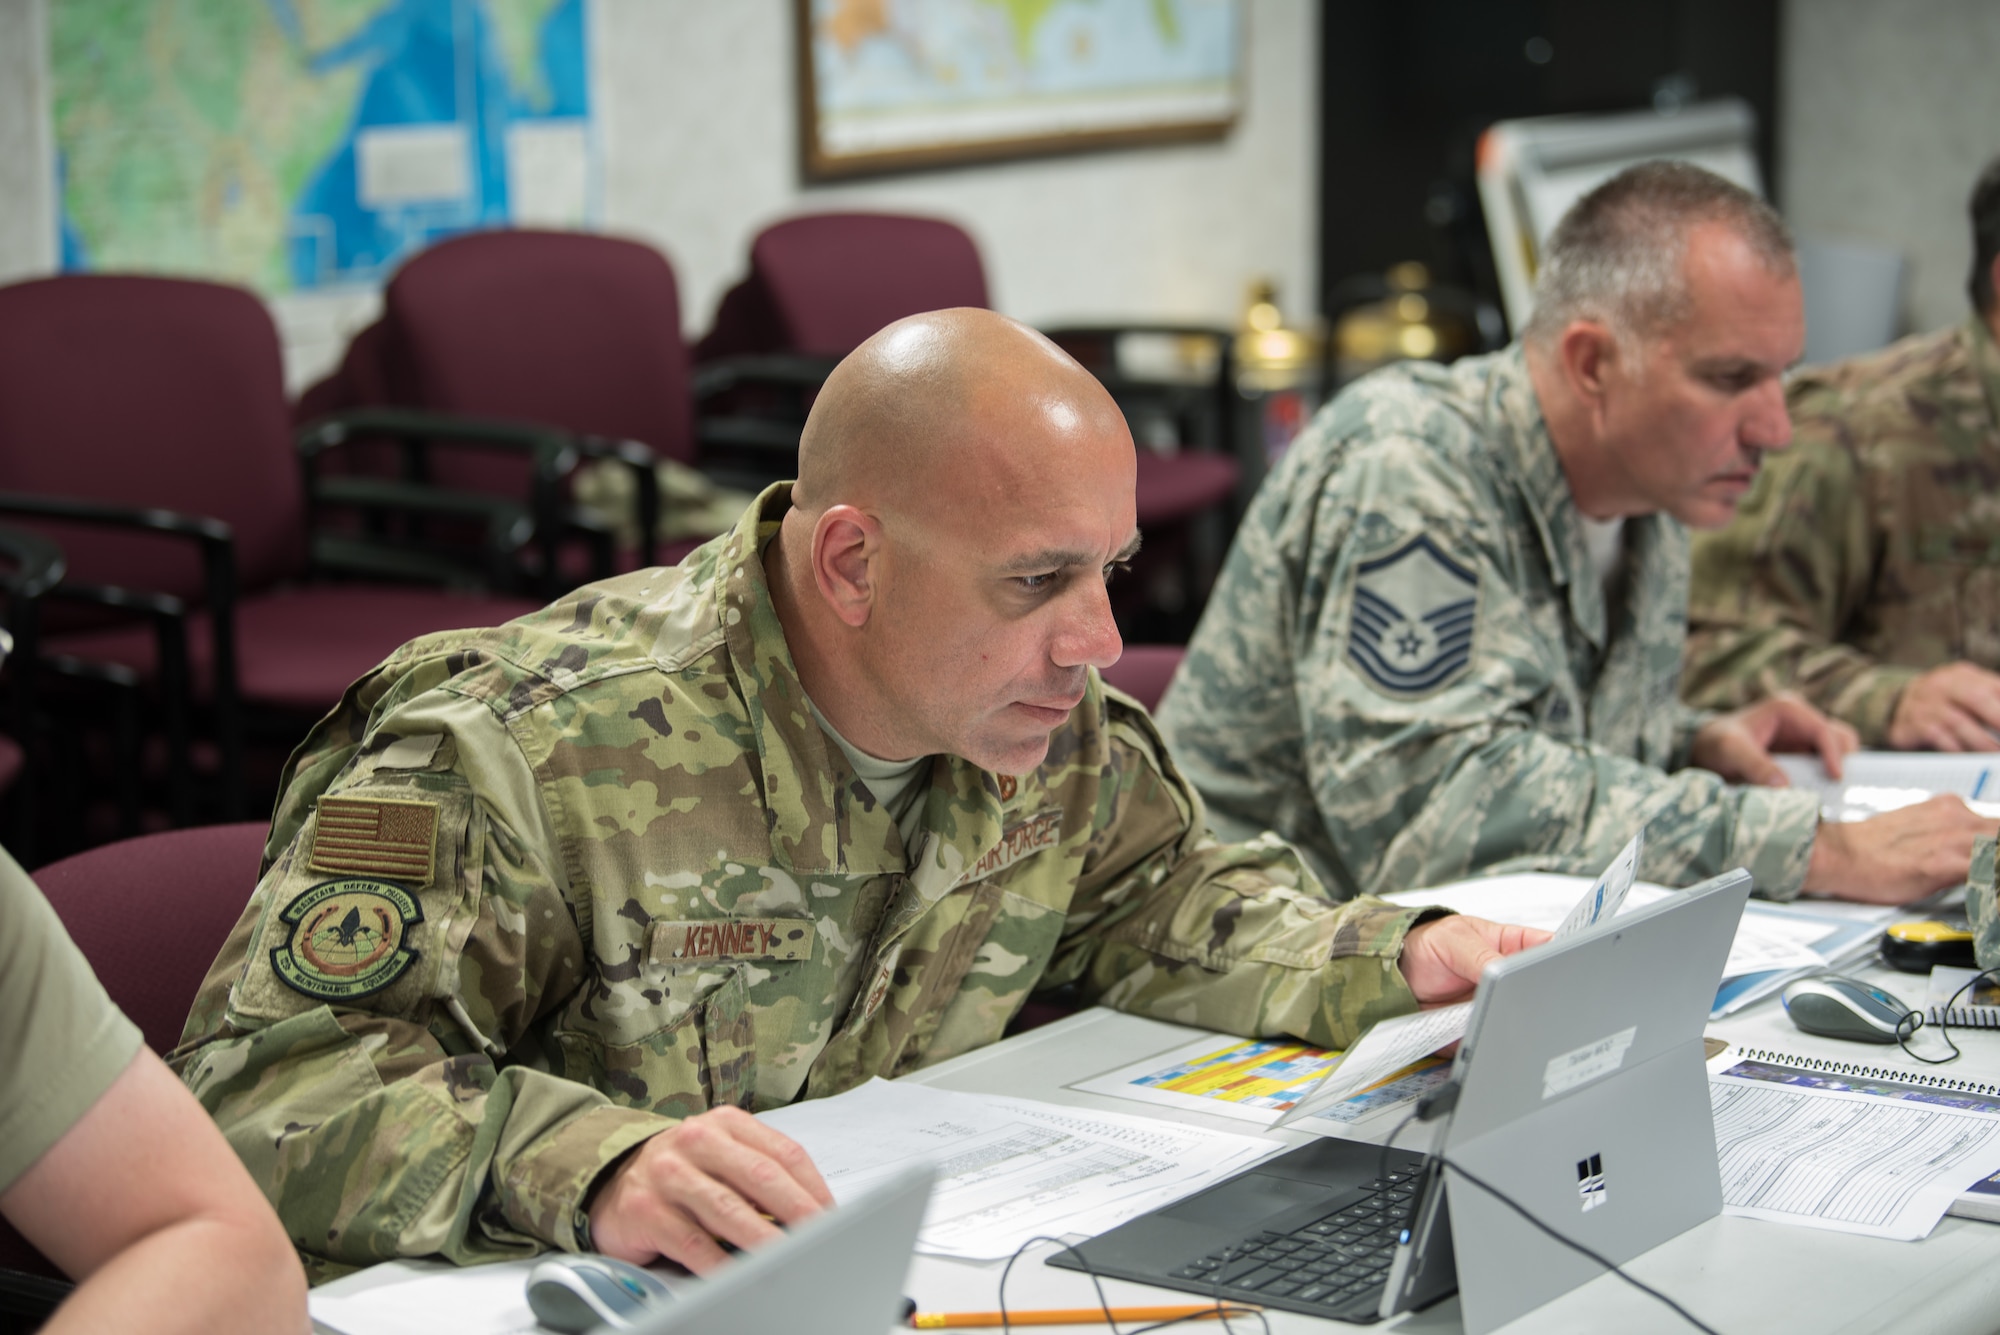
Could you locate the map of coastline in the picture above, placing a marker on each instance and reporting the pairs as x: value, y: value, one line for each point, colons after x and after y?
x: 293, y: 145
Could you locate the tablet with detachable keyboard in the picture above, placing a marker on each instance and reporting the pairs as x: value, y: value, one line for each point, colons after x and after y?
x: 1579, y: 1091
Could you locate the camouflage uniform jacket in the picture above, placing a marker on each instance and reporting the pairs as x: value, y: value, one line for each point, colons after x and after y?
x: 1869, y: 552
x: 534, y: 892
x: 1980, y: 905
x: 1408, y: 668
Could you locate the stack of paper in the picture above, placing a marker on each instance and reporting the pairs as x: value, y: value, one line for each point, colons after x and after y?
x: 1009, y: 1169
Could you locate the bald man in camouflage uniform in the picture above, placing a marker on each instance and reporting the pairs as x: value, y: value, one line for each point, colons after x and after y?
x: 547, y: 906
x: 1415, y: 667
x: 1864, y: 569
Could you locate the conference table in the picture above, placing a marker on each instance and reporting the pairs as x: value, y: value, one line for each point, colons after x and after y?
x: 1737, y: 1275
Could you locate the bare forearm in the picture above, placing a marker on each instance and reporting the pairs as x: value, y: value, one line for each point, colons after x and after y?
x: 201, y: 1276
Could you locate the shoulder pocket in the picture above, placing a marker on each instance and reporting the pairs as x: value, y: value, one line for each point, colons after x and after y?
x: 370, y: 904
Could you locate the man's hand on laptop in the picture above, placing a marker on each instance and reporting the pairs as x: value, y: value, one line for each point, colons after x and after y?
x: 1442, y: 958
x: 720, y: 1176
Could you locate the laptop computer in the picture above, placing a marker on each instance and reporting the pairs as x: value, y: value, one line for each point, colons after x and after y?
x: 839, y: 1273
x: 1580, y: 1092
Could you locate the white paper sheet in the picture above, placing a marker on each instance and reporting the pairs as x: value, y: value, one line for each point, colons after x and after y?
x: 478, y: 1300
x: 1845, y: 1160
x: 1009, y: 1169
x: 1386, y: 1048
x: 1541, y: 899
x: 1872, y: 782
x: 1606, y: 897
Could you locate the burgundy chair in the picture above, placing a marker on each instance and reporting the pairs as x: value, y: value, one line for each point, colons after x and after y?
x: 561, y: 329
x: 1144, y: 671
x: 143, y: 424
x: 821, y: 284
x: 150, y: 915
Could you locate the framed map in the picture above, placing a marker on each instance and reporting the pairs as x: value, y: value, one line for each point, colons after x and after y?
x: 888, y: 85
x: 302, y: 145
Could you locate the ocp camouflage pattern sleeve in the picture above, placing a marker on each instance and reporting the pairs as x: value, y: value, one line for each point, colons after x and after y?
x: 537, y: 892
x: 1409, y: 670
x: 1168, y: 921
x: 1867, y: 553
x: 1979, y: 903
x: 357, y: 1077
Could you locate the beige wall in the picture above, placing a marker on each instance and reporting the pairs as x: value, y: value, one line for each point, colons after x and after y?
x: 696, y: 104
x: 1888, y: 110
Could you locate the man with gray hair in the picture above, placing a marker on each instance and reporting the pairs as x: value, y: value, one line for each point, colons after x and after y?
x: 1448, y: 637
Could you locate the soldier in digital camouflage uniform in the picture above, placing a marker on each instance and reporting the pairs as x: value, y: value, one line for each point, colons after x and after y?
x: 537, y: 897
x: 1414, y: 666
x: 1863, y: 570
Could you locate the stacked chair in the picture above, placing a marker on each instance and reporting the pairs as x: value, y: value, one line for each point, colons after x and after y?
x: 144, y: 427
x: 526, y: 331
x: 819, y: 285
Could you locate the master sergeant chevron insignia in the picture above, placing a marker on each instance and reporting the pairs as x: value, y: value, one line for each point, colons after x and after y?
x: 393, y: 838
x: 1410, y: 626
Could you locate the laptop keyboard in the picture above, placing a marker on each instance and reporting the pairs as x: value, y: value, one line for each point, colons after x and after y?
x: 1327, y: 1267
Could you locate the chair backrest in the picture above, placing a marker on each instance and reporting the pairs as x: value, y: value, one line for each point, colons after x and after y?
x: 1144, y: 671
x: 833, y: 279
x: 152, y: 913
x: 569, y: 330
x: 156, y: 392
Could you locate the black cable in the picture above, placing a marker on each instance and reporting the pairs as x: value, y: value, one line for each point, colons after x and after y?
x: 1576, y: 1246
x: 1943, y: 1024
x: 1223, y: 1310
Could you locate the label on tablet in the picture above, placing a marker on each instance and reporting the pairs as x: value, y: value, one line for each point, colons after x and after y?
x: 1586, y: 1063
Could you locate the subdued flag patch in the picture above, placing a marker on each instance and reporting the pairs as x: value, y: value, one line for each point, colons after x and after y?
x: 376, y: 836
x: 1410, y: 631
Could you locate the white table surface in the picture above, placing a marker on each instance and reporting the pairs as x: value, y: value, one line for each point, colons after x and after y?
x: 1741, y: 1276
x: 1738, y: 1275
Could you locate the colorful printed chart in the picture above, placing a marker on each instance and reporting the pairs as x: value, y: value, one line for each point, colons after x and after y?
x: 1256, y: 1080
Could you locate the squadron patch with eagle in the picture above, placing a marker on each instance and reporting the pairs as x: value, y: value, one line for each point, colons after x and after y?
x: 347, y: 939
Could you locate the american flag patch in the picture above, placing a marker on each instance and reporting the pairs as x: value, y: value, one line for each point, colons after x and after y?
x: 372, y: 836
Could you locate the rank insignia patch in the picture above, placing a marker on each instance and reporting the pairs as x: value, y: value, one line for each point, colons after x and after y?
x: 347, y: 939
x: 374, y: 836
x: 1411, y: 628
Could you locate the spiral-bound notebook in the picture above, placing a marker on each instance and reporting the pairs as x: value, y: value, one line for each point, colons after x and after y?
x: 1907, y: 1145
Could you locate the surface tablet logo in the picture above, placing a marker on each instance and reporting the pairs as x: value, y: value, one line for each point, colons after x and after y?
x: 1590, y: 1182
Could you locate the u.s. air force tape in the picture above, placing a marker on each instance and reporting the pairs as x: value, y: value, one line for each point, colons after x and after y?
x: 730, y: 939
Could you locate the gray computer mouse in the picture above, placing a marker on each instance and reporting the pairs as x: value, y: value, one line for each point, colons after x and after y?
x: 573, y: 1294
x: 1840, y: 1007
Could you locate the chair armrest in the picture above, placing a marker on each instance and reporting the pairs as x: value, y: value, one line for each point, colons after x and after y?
x: 781, y: 370
x: 71, y: 509
x: 513, y: 437
x: 640, y: 460
x: 216, y: 541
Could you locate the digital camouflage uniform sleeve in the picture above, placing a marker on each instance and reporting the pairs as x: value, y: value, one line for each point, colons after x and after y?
x: 383, y: 1128
x: 1774, y: 592
x: 1480, y: 766
x: 1167, y: 921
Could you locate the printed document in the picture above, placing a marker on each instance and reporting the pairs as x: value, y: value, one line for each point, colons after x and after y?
x: 1256, y: 1080
x: 1853, y: 1155
x: 1009, y: 1169
x: 1872, y: 782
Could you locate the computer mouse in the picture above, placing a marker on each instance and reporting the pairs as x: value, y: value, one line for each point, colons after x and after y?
x: 1840, y: 1007
x: 573, y: 1294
